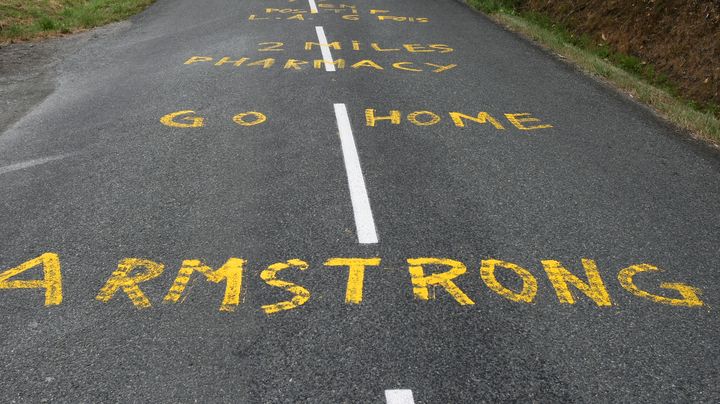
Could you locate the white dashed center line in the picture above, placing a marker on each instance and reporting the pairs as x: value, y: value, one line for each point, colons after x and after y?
x: 364, y: 223
x: 313, y: 7
x: 399, y: 397
x: 325, y: 49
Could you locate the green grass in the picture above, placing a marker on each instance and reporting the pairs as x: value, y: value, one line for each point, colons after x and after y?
x: 626, y: 72
x: 22, y: 20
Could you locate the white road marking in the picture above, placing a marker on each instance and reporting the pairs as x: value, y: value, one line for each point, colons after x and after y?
x: 399, y: 397
x: 30, y: 163
x: 313, y: 7
x: 325, y: 49
x: 364, y: 223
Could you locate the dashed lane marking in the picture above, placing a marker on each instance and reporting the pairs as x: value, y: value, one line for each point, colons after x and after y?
x: 325, y: 49
x: 313, y: 7
x: 364, y: 222
x: 401, y: 396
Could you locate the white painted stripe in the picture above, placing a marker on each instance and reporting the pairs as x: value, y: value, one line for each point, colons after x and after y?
x: 399, y: 397
x: 325, y: 49
x: 313, y: 7
x: 30, y: 163
x: 364, y: 223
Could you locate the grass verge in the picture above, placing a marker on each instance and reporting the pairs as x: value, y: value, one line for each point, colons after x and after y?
x: 22, y: 20
x: 626, y: 72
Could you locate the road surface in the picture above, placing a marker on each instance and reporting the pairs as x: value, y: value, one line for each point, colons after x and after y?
x: 384, y: 201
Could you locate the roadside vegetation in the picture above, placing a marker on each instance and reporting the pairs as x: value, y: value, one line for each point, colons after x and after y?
x: 632, y: 75
x: 22, y: 20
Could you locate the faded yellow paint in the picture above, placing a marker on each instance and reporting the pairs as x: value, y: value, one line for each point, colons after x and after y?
x: 530, y: 285
x: 421, y: 282
x: 265, y: 63
x: 226, y: 59
x: 356, y: 275
x: 231, y: 272
x: 191, y: 121
x: 240, y: 118
x: 434, y: 118
x: 377, y: 47
x: 441, y: 68
x: 301, y: 295
x: 371, y: 118
x: 519, y: 121
x: 441, y: 47
x: 331, y: 45
x: 401, y: 66
x: 690, y: 295
x: 51, y: 282
x: 270, y: 47
x: 294, y: 64
x: 417, y: 48
x: 560, y: 277
x: 196, y: 59
x: 367, y: 63
x: 320, y: 63
x: 402, y: 19
x: 482, y: 117
x: 121, y: 279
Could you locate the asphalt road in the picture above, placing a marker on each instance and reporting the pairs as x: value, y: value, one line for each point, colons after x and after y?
x: 101, y: 172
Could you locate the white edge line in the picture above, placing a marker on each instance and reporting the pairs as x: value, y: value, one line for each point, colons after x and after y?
x: 313, y: 7
x: 399, y: 397
x: 364, y: 222
x: 325, y: 49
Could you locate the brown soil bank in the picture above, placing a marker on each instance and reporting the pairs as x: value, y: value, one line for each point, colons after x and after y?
x: 681, y: 38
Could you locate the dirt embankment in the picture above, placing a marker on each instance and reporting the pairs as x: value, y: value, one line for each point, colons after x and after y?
x: 681, y: 38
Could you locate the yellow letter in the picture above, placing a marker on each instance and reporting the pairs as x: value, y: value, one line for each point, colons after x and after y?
x: 441, y: 68
x: 370, y: 117
x: 379, y: 49
x: 259, y: 118
x: 265, y: 63
x: 129, y: 284
x: 401, y: 66
x: 442, y: 48
x: 234, y: 62
x: 52, y: 279
x: 417, y: 48
x: 482, y: 117
x: 231, y: 273
x: 301, y: 294
x: 518, y: 122
x: 690, y: 295
x: 294, y: 64
x: 319, y: 63
x: 354, y: 290
x: 421, y: 283
x: 412, y: 117
x: 529, y: 290
x: 169, y: 120
x: 560, y: 277
x: 367, y: 63
x: 331, y: 45
x: 196, y: 59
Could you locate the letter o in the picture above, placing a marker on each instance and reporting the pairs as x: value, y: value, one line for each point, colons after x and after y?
x: 240, y: 118
x: 434, y: 118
